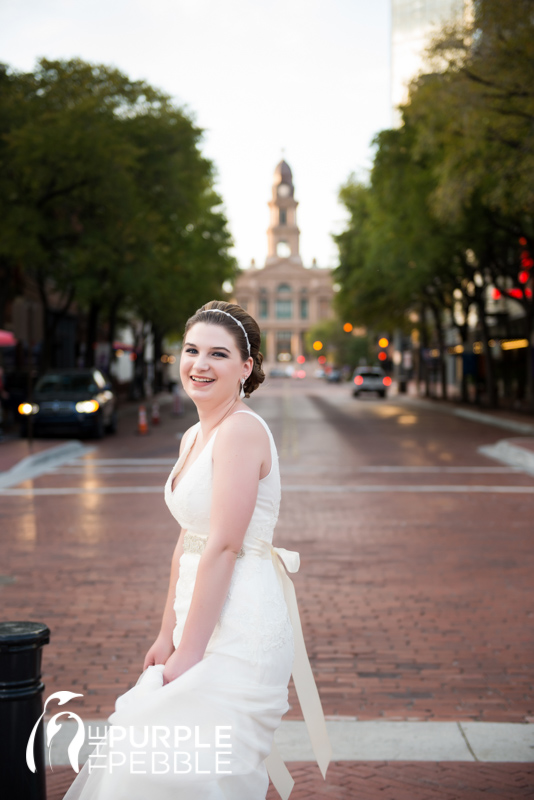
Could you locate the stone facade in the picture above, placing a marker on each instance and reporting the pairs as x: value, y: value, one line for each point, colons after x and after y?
x: 284, y: 296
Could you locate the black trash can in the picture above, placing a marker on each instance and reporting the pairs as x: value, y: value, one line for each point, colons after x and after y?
x: 21, y: 705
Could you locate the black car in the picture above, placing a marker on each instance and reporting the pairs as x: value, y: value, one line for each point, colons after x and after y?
x: 76, y: 402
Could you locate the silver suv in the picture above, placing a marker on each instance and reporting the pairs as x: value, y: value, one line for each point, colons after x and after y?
x: 370, y: 379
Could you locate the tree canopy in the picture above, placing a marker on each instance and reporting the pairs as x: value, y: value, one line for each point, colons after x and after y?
x: 446, y: 220
x: 105, y: 196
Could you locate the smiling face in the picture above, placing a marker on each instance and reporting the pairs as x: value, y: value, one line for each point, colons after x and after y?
x: 211, y: 366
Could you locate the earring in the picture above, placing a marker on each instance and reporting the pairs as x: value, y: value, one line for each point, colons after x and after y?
x: 242, y: 392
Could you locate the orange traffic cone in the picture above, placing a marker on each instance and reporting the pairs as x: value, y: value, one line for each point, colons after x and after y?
x: 142, y: 426
x: 155, y: 413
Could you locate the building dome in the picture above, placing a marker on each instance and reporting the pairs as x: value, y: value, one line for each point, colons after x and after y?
x: 282, y: 173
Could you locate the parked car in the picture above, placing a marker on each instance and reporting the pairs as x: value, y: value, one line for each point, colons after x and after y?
x: 278, y: 372
x: 76, y: 402
x: 370, y: 379
x: 319, y: 373
x: 334, y: 376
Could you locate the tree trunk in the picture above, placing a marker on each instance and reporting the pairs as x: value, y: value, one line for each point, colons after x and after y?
x: 530, y: 356
x: 441, y: 345
x: 158, y: 365
x: 424, y: 346
x: 91, y: 334
x: 112, y: 326
x: 491, y: 385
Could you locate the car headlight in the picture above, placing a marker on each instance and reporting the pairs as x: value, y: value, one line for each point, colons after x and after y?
x: 28, y: 408
x: 87, y: 406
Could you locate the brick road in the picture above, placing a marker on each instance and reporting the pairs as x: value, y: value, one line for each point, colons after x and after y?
x: 415, y: 604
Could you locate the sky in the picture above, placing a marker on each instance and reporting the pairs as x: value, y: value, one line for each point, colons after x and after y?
x: 306, y: 80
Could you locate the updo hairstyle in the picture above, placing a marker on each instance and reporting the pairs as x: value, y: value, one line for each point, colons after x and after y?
x: 257, y: 376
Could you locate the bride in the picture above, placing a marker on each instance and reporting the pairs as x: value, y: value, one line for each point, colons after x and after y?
x: 201, y: 719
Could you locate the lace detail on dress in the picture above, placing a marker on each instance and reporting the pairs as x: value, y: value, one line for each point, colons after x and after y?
x: 255, y: 607
x: 197, y: 544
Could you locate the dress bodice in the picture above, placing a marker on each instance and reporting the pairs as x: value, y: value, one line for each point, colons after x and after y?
x: 190, y: 502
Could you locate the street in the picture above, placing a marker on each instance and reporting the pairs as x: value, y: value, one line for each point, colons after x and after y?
x: 415, y: 587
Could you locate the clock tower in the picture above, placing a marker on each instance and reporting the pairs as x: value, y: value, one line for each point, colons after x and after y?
x: 282, y: 233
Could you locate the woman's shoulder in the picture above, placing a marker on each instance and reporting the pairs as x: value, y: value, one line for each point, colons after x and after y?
x: 243, y: 425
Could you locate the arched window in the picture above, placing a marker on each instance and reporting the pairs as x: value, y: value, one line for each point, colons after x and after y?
x: 284, y: 287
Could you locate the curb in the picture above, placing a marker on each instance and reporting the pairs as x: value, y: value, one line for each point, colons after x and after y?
x: 510, y: 454
x: 368, y: 740
x: 475, y: 416
x: 38, y: 463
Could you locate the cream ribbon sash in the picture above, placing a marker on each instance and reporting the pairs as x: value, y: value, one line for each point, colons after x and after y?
x: 305, y: 686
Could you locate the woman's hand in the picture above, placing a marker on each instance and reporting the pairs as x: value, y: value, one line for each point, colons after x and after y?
x: 178, y: 663
x: 159, y: 652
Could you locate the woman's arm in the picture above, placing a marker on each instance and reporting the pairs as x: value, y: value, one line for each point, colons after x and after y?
x: 237, y: 458
x: 163, y: 646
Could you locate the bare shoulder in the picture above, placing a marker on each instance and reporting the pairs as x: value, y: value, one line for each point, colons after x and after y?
x: 243, y: 431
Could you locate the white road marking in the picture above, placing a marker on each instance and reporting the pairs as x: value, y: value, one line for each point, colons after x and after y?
x: 123, y: 470
x: 107, y: 462
x: 511, y: 454
x: 465, y: 489
x: 42, y: 462
x: 79, y: 490
x: 373, y: 740
x: 297, y: 469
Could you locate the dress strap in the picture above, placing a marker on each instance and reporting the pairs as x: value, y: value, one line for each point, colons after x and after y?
x: 247, y: 411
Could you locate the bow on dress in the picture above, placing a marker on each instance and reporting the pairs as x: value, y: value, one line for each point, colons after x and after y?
x: 303, y: 679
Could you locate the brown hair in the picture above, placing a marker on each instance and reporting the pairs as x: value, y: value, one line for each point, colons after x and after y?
x: 257, y: 376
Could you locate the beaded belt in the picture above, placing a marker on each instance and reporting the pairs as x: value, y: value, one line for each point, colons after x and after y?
x: 305, y: 686
x: 193, y: 543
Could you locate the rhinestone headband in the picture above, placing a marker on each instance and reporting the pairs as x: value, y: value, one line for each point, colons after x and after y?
x: 220, y: 311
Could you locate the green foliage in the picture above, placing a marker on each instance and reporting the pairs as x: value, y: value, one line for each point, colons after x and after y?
x: 105, y: 196
x: 451, y: 191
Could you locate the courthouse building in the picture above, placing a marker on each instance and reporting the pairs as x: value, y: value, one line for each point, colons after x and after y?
x: 284, y: 296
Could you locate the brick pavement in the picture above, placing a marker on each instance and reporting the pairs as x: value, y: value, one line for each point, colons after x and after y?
x: 383, y: 780
x: 413, y: 606
x: 14, y: 450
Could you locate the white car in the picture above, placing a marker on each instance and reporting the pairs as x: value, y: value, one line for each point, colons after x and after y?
x: 370, y: 379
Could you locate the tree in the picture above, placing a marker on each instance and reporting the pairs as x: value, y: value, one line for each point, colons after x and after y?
x: 106, y: 198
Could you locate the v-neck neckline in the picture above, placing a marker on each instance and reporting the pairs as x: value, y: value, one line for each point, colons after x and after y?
x: 186, y: 455
x: 175, y: 474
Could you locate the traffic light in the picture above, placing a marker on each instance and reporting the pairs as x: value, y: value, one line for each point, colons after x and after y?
x: 383, y: 342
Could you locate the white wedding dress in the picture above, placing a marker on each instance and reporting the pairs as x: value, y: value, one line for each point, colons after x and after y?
x: 233, y: 700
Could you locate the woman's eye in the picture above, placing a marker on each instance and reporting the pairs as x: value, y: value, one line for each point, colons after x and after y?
x: 220, y: 354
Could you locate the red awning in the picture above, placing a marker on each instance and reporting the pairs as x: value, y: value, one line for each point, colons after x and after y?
x: 7, y: 339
